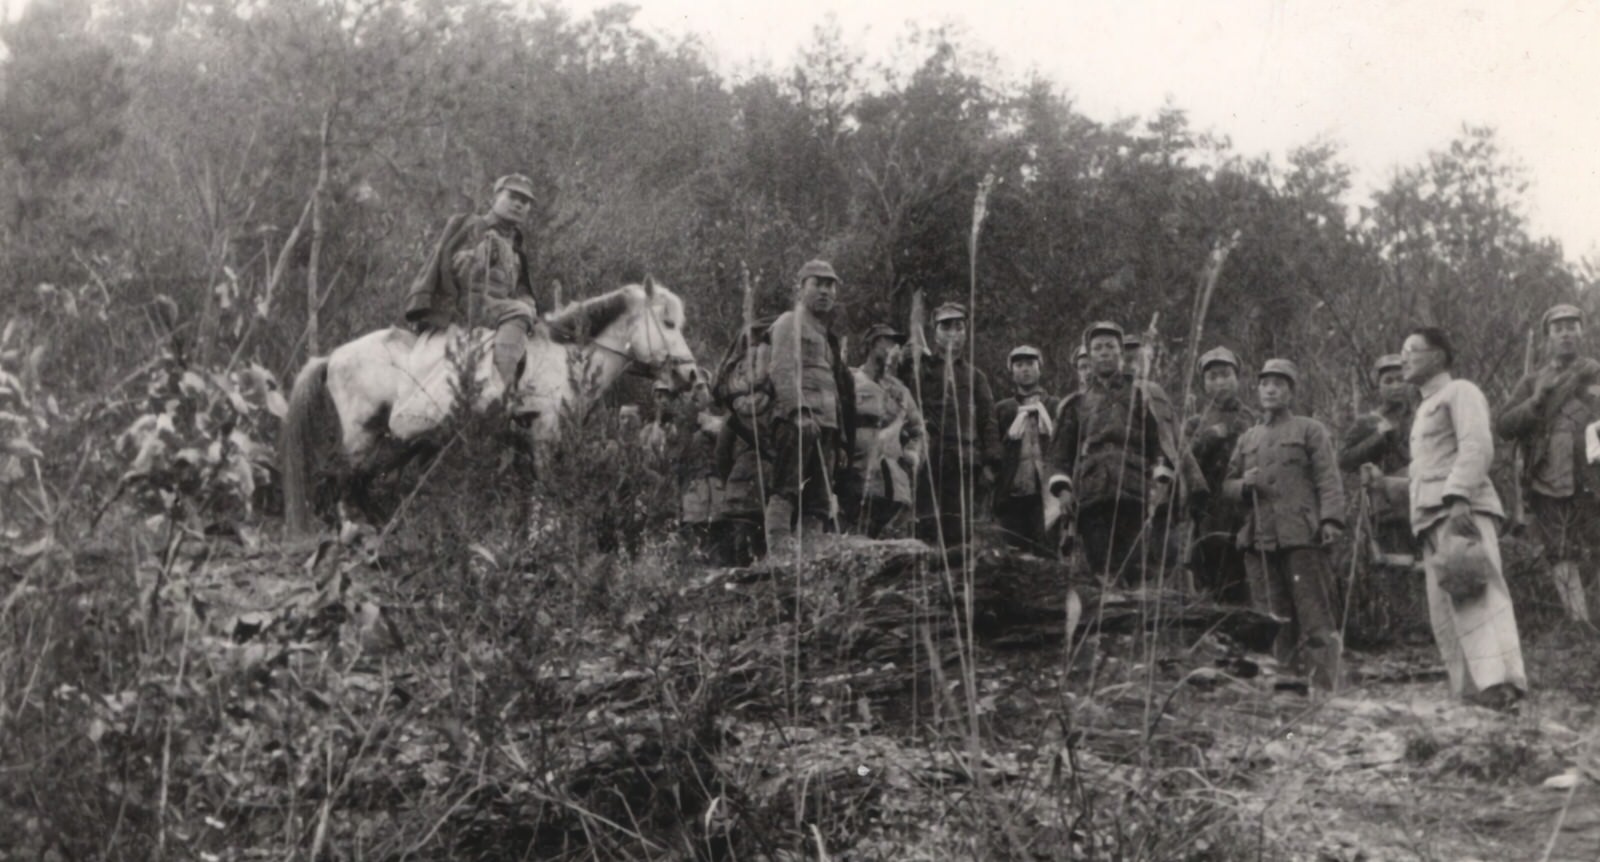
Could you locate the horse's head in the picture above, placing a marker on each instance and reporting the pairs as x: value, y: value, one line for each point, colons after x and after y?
x: 655, y: 336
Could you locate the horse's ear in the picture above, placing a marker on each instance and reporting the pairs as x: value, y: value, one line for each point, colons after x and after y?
x: 649, y: 286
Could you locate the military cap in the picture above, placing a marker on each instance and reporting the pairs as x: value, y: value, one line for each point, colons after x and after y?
x: 882, y: 330
x: 1283, y: 368
x: 817, y: 269
x: 1101, y: 327
x: 1132, y: 340
x: 950, y: 311
x: 1386, y: 362
x: 515, y: 182
x: 1081, y: 353
x: 1560, y: 312
x: 1219, y: 354
x: 1024, y: 352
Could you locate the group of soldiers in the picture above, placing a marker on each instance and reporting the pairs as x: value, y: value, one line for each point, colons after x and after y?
x: 1246, y: 499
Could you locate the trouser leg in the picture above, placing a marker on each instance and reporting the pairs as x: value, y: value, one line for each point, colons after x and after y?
x: 1234, y: 587
x: 891, y: 520
x: 779, y: 516
x: 1094, y: 531
x: 939, y: 503
x: 1021, y: 520
x: 1568, y: 579
x: 1269, y: 593
x: 854, y: 508
x: 1220, y: 569
x: 1558, y: 528
x: 510, y: 343
x: 1127, y: 530
x: 1309, y: 580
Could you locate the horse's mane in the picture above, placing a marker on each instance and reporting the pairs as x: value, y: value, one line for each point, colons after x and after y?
x: 582, y: 321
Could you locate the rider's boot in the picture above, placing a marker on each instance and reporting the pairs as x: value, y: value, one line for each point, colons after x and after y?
x: 510, y: 342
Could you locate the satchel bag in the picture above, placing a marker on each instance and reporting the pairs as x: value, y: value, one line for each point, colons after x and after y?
x: 1463, y: 562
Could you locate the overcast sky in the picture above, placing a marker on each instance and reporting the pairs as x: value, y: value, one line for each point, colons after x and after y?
x: 1388, y: 79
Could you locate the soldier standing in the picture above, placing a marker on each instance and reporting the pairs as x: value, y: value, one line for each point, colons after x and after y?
x: 1116, y: 456
x: 1081, y: 364
x: 684, y: 438
x: 1378, y: 445
x: 1548, y: 413
x: 744, y: 447
x: 813, y: 405
x: 1026, y: 423
x: 1450, y: 493
x: 1283, y: 472
x: 478, y: 276
x: 1218, y: 562
x: 958, y: 412
x: 887, y: 451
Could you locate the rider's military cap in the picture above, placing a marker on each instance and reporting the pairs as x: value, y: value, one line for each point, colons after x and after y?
x: 515, y: 182
x: 1132, y: 340
x: 1024, y: 352
x: 1560, y: 312
x: 950, y: 311
x: 1283, y: 368
x: 1081, y: 353
x: 817, y: 269
x: 1386, y: 362
x: 882, y: 330
x: 1219, y: 354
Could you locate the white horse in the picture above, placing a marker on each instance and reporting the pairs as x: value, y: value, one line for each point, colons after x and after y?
x: 387, y: 388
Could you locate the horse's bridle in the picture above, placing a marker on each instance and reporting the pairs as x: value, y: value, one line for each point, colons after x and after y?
x: 657, y: 329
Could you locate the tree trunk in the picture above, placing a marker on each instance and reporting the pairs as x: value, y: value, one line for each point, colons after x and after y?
x: 313, y: 292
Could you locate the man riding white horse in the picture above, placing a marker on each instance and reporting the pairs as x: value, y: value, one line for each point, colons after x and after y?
x: 478, y: 276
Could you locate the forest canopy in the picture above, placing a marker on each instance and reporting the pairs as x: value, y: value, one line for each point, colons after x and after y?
x: 186, y: 161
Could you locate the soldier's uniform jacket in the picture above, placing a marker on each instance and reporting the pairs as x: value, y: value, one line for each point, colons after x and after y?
x: 813, y: 378
x: 1365, y: 444
x: 943, y: 389
x: 744, y: 435
x: 1106, y: 457
x: 473, y: 256
x: 690, y: 448
x: 1390, y: 451
x: 1011, y: 458
x: 888, y: 428
x: 1551, y: 429
x: 1299, y: 485
x: 1211, y: 451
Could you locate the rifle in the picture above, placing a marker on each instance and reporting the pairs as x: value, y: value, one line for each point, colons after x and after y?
x: 748, y: 309
x: 1209, y: 273
x: 1517, y: 513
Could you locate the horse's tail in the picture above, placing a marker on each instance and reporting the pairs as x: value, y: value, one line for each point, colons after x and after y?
x: 308, y: 400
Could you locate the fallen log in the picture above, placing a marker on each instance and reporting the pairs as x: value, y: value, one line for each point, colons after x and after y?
x: 1017, y: 600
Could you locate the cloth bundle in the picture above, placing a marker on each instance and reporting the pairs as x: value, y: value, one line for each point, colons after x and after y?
x: 1464, y: 563
x: 1019, y: 425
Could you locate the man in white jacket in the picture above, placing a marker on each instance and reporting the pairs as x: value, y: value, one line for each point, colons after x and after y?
x: 1452, y: 445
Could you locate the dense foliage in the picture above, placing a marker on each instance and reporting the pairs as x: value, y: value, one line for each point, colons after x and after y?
x: 295, y: 158
x: 195, y: 196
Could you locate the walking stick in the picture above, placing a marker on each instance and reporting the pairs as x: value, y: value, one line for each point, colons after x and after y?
x: 1518, y: 515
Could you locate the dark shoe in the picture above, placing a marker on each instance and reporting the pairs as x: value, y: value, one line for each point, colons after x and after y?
x: 1502, y: 697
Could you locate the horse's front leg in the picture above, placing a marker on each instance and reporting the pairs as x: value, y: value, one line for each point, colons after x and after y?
x: 387, y: 456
